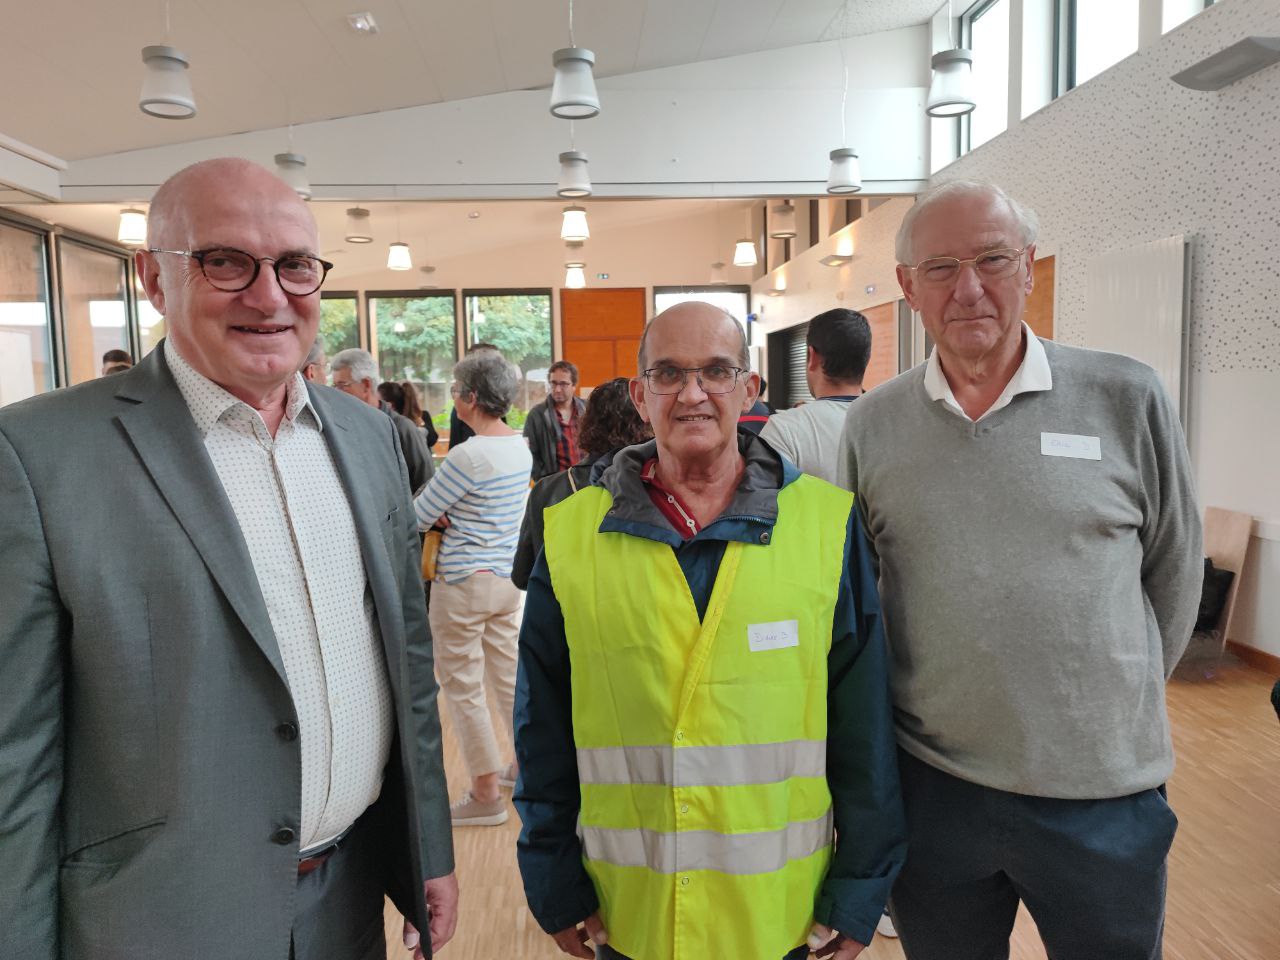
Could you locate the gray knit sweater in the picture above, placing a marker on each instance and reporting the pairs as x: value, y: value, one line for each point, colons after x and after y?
x: 1034, y: 604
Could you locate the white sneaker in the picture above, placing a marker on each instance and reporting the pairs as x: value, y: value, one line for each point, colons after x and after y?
x: 470, y: 812
x: 886, y: 928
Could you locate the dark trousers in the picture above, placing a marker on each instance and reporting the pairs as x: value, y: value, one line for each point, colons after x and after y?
x: 1091, y: 872
x: 338, y: 906
x: 608, y: 953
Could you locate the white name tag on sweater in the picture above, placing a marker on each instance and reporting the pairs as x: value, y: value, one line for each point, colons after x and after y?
x: 773, y: 636
x: 1070, y: 445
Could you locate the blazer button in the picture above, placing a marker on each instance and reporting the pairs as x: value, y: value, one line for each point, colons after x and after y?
x: 287, y: 730
x: 283, y: 836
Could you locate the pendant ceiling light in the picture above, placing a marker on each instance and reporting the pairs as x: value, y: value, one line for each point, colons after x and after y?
x: 166, y: 88
x: 951, y: 93
x: 133, y: 227
x: 744, y: 253
x: 574, y: 180
x: 782, y: 221
x: 717, y: 274
x: 575, y: 276
x: 358, y: 228
x: 573, y: 91
x: 846, y: 173
x: 292, y: 168
x: 398, y: 257
x: 574, y: 225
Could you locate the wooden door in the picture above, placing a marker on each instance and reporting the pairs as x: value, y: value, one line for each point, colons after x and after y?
x: 883, y: 364
x: 1039, y: 311
x: 600, y: 331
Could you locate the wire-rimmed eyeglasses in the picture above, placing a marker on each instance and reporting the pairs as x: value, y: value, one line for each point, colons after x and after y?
x: 714, y: 378
x: 232, y: 270
x: 992, y: 265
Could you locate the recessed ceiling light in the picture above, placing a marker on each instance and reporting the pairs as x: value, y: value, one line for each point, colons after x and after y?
x: 362, y: 23
x: 473, y: 215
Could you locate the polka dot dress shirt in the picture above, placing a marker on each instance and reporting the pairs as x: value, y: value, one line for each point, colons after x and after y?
x: 295, y: 518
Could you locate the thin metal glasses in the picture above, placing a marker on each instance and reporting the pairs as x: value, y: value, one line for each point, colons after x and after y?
x: 715, y: 378
x: 992, y: 265
x: 232, y: 270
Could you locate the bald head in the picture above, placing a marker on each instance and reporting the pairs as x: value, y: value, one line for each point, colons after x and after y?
x: 181, y: 198
x: 728, y: 331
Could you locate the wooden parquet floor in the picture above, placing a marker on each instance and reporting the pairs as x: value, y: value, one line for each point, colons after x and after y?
x: 1224, y: 870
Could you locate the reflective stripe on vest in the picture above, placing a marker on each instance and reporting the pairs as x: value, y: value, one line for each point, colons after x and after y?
x: 733, y: 853
x: 704, y: 766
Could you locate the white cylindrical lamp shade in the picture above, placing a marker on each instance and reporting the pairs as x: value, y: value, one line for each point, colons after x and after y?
x: 573, y: 91
x: 744, y: 254
x: 574, y: 179
x: 717, y: 273
x: 575, y: 276
x: 292, y: 168
x: 782, y: 222
x: 846, y: 172
x: 574, y: 225
x: 166, y: 88
x: 358, y: 229
x: 951, y: 93
x: 398, y: 257
x: 133, y: 227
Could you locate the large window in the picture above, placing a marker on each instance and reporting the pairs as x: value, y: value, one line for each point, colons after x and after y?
x: 986, y: 27
x: 518, y: 323
x: 26, y: 360
x: 416, y: 340
x: 734, y: 300
x: 339, y: 322
x: 95, y: 311
x: 151, y: 325
x: 1102, y: 33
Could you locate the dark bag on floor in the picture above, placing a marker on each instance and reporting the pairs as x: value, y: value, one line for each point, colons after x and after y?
x: 1213, y: 595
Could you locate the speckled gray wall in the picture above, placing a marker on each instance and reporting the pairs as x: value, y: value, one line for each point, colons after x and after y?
x: 1131, y: 157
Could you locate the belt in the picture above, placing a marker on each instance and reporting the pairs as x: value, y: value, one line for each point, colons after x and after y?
x: 317, y: 859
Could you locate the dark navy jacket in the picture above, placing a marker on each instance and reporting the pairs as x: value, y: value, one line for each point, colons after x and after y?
x: 862, y: 766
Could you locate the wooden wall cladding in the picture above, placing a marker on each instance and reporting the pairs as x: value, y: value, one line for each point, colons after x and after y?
x: 1039, y: 312
x: 884, y: 344
x: 600, y: 331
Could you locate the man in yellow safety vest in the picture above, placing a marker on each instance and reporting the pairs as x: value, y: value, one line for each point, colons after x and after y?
x: 707, y: 759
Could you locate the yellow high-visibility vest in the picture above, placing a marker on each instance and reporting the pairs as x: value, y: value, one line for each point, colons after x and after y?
x: 706, y: 817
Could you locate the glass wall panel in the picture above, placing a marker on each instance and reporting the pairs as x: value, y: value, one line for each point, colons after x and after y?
x: 736, y: 301
x: 417, y: 341
x: 26, y: 361
x: 339, y: 322
x: 1105, y: 32
x: 151, y: 325
x: 988, y: 27
x: 518, y: 323
x: 94, y: 310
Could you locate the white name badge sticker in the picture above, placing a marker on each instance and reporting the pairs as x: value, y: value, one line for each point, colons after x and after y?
x: 1070, y: 445
x: 773, y: 636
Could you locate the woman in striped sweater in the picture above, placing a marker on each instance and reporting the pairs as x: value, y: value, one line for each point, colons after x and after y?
x: 480, y: 492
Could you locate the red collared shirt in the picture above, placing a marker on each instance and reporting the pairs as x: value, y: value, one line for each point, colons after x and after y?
x: 567, y: 451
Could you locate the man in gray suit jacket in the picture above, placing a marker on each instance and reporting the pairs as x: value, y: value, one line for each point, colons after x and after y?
x: 218, y: 725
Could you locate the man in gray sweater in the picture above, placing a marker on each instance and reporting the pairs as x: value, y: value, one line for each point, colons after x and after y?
x: 1040, y: 562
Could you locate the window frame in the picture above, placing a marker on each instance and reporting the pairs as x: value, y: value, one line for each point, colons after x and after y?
x: 464, y: 316
x: 964, y: 133
x: 53, y: 291
x: 366, y: 323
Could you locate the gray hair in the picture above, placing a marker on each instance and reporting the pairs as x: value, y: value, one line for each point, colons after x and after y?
x: 1025, y: 218
x: 359, y: 362
x: 316, y: 351
x: 744, y: 349
x: 490, y: 378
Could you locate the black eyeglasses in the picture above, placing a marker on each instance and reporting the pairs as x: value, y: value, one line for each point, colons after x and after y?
x: 232, y: 270
x: 715, y: 378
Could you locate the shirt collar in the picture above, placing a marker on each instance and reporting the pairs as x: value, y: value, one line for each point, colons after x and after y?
x: 1033, y: 375
x: 209, y: 402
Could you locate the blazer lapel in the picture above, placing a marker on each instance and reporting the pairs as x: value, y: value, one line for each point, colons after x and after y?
x: 343, y: 438
x: 170, y: 448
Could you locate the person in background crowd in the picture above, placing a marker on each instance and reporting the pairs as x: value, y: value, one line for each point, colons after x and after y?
x: 214, y: 747
x: 403, y: 399
x: 609, y: 422
x: 839, y: 344
x: 459, y: 432
x: 1040, y: 567
x: 753, y: 420
x: 480, y: 490
x: 553, y: 426
x: 354, y: 372
x: 113, y: 361
x: 728, y: 702
x: 315, y: 368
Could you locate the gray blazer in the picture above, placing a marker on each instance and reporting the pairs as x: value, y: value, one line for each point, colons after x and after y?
x: 142, y: 774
